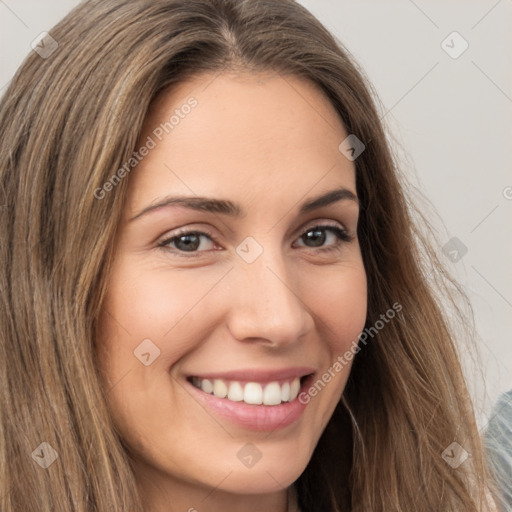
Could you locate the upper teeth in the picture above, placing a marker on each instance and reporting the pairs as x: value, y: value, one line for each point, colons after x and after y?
x: 253, y: 393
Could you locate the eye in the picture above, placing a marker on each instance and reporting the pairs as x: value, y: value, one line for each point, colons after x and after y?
x: 317, y: 236
x: 188, y: 241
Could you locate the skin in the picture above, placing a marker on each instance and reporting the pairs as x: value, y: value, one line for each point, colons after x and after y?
x: 269, y: 143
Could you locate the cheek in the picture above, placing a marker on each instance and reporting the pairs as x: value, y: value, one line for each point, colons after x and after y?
x: 145, y: 302
x: 340, y: 305
x: 340, y: 301
x: 156, y: 305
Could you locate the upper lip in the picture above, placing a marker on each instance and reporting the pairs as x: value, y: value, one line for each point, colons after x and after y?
x: 258, y: 375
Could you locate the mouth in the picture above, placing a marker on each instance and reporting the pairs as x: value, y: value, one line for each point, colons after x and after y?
x: 269, y: 393
x: 258, y: 400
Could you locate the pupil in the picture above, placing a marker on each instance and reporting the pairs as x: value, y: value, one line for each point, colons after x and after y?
x: 318, y: 237
x: 191, y: 242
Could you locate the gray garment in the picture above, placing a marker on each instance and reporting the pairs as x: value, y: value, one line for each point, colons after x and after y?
x: 498, y: 443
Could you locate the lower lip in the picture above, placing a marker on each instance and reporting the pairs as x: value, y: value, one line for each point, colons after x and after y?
x: 254, y: 417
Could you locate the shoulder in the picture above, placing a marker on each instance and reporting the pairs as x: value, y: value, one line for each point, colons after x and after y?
x: 499, y: 428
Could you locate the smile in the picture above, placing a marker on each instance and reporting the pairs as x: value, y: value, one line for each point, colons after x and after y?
x: 255, y: 399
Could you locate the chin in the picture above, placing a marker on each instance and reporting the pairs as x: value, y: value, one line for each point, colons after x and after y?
x: 264, y: 478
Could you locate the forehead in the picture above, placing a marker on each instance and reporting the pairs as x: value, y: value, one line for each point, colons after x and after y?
x: 241, y: 135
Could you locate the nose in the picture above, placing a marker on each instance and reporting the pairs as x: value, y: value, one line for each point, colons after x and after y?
x: 266, y: 304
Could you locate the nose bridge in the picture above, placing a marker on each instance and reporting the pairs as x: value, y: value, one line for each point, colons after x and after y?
x: 266, y: 302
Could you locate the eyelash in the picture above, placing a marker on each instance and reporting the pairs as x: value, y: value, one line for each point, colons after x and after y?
x: 341, y: 234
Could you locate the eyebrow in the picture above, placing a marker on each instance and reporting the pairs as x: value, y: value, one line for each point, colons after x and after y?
x: 232, y: 209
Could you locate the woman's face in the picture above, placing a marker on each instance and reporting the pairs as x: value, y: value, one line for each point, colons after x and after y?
x: 247, y: 279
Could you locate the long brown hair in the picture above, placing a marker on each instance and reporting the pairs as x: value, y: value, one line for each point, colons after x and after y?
x: 70, y: 118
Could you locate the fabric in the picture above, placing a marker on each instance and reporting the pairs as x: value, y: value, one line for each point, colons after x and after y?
x: 498, y: 443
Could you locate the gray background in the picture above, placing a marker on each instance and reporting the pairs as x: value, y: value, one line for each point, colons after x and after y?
x: 451, y: 118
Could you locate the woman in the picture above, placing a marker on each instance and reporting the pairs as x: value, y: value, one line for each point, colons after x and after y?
x: 213, y: 296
